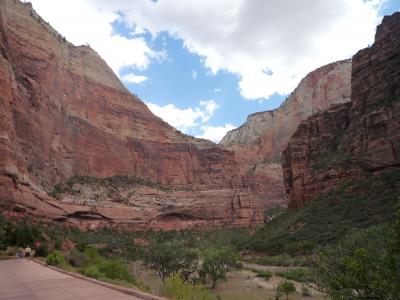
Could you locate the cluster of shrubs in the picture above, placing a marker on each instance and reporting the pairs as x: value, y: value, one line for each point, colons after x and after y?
x: 22, y: 234
x: 179, y: 268
x: 113, y: 181
x: 56, y: 258
x: 17, y: 234
x: 91, y: 264
x: 208, y: 266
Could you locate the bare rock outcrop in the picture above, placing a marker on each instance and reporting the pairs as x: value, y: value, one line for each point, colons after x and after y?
x: 76, y: 147
x: 64, y: 114
x: 258, y: 143
x: 353, y: 140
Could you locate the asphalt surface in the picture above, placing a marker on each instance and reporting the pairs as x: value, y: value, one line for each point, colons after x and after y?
x: 29, y: 280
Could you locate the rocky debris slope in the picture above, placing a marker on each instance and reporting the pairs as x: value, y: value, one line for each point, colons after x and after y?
x: 258, y: 143
x: 64, y: 114
x: 356, y: 140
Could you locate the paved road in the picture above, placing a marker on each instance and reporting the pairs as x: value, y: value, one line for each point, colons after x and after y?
x: 29, y: 280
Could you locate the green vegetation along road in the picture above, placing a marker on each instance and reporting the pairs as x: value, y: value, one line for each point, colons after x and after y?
x: 29, y: 280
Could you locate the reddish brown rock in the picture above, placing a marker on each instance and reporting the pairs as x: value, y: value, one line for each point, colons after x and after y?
x: 355, y: 140
x: 258, y: 143
x: 311, y: 151
x: 64, y: 113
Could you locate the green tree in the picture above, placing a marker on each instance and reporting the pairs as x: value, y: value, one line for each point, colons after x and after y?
x: 286, y: 287
x: 216, y: 263
x: 365, y: 265
x: 168, y: 259
x: 21, y: 234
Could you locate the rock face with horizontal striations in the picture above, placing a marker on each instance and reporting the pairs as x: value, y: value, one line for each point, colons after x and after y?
x: 66, y: 119
x: 351, y: 140
x: 258, y: 143
x: 76, y: 147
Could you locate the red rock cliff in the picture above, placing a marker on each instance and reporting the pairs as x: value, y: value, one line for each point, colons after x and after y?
x: 65, y: 114
x: 258, y: 143
x: 351, y: 140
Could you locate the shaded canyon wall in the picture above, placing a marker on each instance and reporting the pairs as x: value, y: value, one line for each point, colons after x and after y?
x: 355, y: 140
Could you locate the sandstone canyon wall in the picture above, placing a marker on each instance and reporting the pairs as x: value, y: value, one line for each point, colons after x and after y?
x: 64, y: 114
x: 270, y: 131
x: 77, y: 147
x: 258, y: 143
x: 353, y: 140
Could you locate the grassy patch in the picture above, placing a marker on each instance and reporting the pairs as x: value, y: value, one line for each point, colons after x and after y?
x: 263, y: 274
x: 299, y: 275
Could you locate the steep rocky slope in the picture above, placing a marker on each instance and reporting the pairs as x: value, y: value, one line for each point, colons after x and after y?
x: 258, y: 143
x: 354, y: 141
x: 270, y: 130
x: 65, y: 117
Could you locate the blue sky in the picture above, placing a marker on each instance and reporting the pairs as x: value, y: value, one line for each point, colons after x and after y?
x: 182, y: 79
x: 203, y: 66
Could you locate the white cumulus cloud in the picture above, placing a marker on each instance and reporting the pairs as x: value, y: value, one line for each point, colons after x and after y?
x: 215, y: 133
x: 192, y: 119
x: 132, y: 78
x: 269, y: 44
x: 81, y: 22
x: 185, y: 118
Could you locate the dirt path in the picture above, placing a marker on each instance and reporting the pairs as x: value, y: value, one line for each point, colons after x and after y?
x: 29, y: 280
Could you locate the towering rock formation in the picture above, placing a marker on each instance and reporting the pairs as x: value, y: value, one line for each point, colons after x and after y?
x: 354, y: 140
x: 77, y: 147
x: 270, y: 131
x: 65, y: 114
x: 258, y: 143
